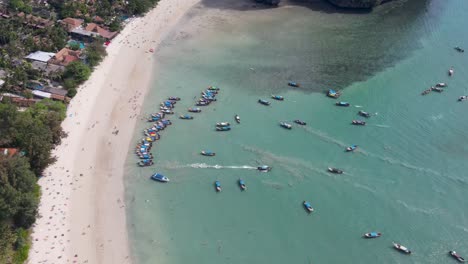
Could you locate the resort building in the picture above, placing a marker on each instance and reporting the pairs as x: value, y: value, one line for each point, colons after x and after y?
x: 40, y: 56
x: 65, y: 56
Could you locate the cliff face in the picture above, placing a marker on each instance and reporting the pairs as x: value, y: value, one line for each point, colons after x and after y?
x: 356, y: 3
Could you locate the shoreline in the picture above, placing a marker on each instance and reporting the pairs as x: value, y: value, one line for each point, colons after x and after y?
x: 82, y: 213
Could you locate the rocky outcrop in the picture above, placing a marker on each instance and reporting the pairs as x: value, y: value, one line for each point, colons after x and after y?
x: 268, y: 2
x: 356, y: 3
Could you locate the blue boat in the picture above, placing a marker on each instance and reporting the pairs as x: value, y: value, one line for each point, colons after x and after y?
x: 208, y: 153
x: 351, y: 148
x: 159, y: 177
x: 145, y: 156
x: 145, y: 163
x: 342, y: 104
x: 294, y: 84
x: 224, y: 128
x: 217, y: 186
x: 263, y: 102
x: 186, y: 117
x: 166, y: 122
x: 277, y: 97
x: 372, y: 235
x: 242, y: 185
x: 333, y: 94
x: 308, y: 207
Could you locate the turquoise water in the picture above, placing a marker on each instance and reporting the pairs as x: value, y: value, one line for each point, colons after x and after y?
x: 407, y: 180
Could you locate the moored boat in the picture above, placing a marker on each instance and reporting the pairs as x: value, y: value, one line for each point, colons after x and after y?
x: 437, y: 89
x: 401, y: 248
x: 223, y: 124
x: 456, y: 256
x: 358, y: 122
x: 335, y: 170
x: 441, y: 85
x: 242, y: 185
x: 217, y: 186
x: 462, y: 98
x: 294, y: 84
x: 351, y: 148
x: 307, y: 206
x: 145, y: 162
x: 194, y: 110
x: 213, y: 88
x: 174, y: 98
x: 263, y: 102
x: 237, y: 118
x: 333, y: 94
x: 264, y: 168
x: 224, y: 128
x: 459, y: 49
x: 207, y: 153
x: 342, y: 104
x: 372, y: 235
x: 202, y: 103
x: 451, y: 71
x: 364, y: 114
x: 285, y: 125
x: 167, y: 112
x: 300, y: 122
x: 186, y: 117
x: 277, y: 97
x: 159, y: 177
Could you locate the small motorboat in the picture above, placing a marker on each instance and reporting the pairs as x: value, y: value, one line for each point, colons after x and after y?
x: 372, y: 235
x: 186, y: 117
x: 451, y: 71
x: 351, y: 148
x: 202, y: 103
x: 242, y: 185
x: 145, y: 162
x: 294, y: 84
x: 456, y: 256
x: 165, y: 108
x: 277, y: 97
x: 224, y: 128
x: 333, y: 94
x: 459, y: 49
x: 173, y: 98
x: 335, y: 170
x: 462, y: 98
x: 401, y: 248
x: 300, y: 122
x: 167, y: 112
x: 342, y: 104
x: 217, y: 186
x: 159, y: 177
x: 364, y: 114
x: 237, y: 118
x: 264, y: 168
x: 308, y: 207
x: 285, y: 125
x: 223, y: 124
x: 441, y: 85
x: 144, y: 156
x: 263, y: 102
x: 213, y: 88
x: 358, y: 122
x: 207, y: 153
x: 437, y: 89
x: 194, y: 110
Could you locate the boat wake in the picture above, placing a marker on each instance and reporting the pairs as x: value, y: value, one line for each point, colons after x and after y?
x: 382, y: 126
x: 417, y: 209
x: 324, y: 136
x: 358, y: 106
x: 207, y: 166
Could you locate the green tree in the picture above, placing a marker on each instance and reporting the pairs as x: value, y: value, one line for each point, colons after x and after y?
x: 78, y: 71
x: 95, y: 52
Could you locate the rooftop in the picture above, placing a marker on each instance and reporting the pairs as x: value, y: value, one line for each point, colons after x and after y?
x: 40, y: 56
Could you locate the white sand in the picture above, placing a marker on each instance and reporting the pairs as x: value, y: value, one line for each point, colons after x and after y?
x: 82, y: 210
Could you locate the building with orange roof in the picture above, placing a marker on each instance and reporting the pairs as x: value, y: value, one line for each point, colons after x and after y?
x: 65, y: 56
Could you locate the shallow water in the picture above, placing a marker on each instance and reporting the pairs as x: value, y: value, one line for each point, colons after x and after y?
x: 407, y: 179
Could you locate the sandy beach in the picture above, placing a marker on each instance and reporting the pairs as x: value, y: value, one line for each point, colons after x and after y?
x: 82, y: 211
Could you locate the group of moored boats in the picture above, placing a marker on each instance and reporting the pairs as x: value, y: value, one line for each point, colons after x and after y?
x: 208, y: 96
x: 143, y: 147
